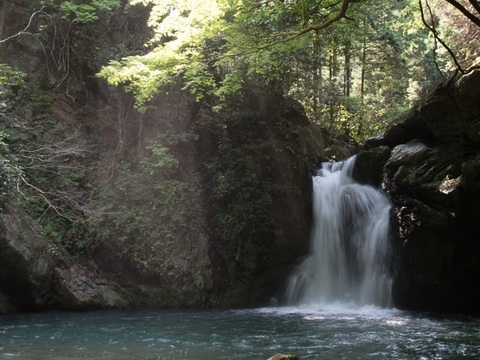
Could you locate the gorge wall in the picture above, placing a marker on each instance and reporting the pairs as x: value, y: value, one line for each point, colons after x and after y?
x: 176, y: 205
x: 184, y: 205
x: 428, y: 161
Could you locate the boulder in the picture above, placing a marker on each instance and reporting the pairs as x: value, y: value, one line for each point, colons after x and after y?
x: 435, y: 194
x: 35, y: 274
x: 449, y: 114
x: 77, y: 288
x: 261, y: 222
x: 26, y: 261
x: 283, y: 357
x: 432, y: 176
x: 6, y: 304
x: 369, y: 165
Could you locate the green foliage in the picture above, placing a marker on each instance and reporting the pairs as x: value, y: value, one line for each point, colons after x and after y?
x: 198, y: 81
x: 9, y: 171
x: 106, y: 5
x: 181, y: 28
x: 351, y: 78
x: 142, y: 75
x: 9, y: 79
x: 52, y: 188
x: 81, y: 12
x: 40, y: 158
x: 11, y: 85
x: 146, y: 214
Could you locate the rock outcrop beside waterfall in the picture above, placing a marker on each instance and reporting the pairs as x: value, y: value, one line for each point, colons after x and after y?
x: 36, y: 275
x: 244, y: 269
x: 429, y: 163
x: 181, y: 205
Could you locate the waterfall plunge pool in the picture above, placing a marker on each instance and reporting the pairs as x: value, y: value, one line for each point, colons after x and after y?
x: 349, y: 264
x: 331, y: 333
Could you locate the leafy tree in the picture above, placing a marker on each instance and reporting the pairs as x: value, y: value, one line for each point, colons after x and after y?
x: 360, y: 66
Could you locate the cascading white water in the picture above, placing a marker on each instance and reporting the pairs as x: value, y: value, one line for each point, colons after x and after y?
x: 349, y: 258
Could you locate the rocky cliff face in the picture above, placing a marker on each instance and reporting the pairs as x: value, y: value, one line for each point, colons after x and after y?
x: 244, y: 217
x: 186, y: 206
x: 261, y: 208
x: 429, y: 163
x: 178, y: 205
x: 37, y: 275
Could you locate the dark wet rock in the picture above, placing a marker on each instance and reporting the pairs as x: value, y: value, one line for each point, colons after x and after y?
x: 27, y: 262
x: 432, y: 177
x: 6, y: 304
x: 369, y: 165
x: 374, y: 141
x: 36, y: 274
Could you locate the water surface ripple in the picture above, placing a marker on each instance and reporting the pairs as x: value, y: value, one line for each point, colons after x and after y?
x: 366, y: 333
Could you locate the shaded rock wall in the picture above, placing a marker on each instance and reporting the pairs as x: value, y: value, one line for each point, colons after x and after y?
x: 37, y: 275
x: 248, y: 169
x: 260, y: 211
x: 429, y: 163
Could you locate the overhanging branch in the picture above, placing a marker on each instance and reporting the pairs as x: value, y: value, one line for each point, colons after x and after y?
x: 24, y: 31
x: 466, y: 12
x: 315, y: 27
x: 437, y: 37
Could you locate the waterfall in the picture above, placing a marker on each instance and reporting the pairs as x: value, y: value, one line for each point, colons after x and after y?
x: 349, y: 257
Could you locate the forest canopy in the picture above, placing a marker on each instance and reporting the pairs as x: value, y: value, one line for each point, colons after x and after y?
x: 353, y: 64
x: 350, y: 63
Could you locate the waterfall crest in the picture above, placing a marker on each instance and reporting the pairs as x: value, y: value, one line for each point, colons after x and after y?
x: 349, y: 257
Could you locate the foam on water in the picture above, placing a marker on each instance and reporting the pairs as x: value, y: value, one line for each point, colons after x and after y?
x: 369, y: 333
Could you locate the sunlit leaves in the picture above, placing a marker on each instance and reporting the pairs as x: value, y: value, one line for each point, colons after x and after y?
x: 183, y: 21
x: 181, y: 29
x: 257, y: 33
x: 215, y: 46
x: 143, y: 75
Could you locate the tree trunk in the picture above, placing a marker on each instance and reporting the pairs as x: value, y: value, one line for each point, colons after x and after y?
x: 347, y: 71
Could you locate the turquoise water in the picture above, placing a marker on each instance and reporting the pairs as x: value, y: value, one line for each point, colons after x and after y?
x: 365, y: 333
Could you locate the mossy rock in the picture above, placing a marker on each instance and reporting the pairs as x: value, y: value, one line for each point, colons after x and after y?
x: 284, y: 357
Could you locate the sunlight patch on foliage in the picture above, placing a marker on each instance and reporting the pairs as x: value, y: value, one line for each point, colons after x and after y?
x: 181, y: 28
x: 186, y: 21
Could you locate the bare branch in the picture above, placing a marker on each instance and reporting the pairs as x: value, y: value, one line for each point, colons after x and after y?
x: 316, y: 27
x: 24, y: 31
x: 41, y: 194
x: 475, y: 4
x: 437, y: 38
x: 466, y: 12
